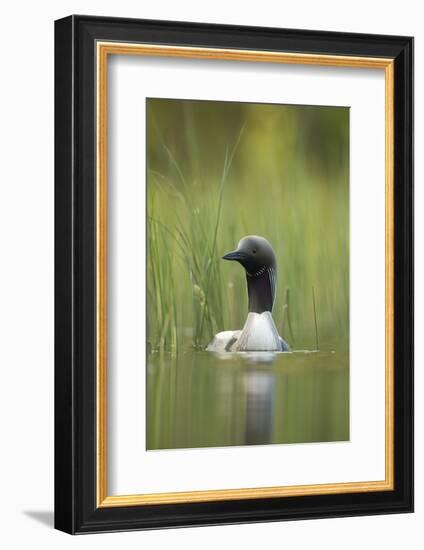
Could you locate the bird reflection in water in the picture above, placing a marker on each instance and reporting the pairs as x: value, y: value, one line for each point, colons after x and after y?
x: 258, y: 385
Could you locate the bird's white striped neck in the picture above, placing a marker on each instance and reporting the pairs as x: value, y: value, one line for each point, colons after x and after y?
x: 262, y: 287
x: 258, y: 273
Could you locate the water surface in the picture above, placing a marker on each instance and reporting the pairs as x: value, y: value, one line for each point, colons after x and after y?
x: 201, y: 399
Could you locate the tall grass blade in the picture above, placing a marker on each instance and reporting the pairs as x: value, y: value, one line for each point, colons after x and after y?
x: 315, y: 320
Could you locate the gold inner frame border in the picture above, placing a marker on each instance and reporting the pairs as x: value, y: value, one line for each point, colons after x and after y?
x: 103, y: 50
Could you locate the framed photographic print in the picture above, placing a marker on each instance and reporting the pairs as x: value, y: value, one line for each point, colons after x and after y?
x: 234, y: 274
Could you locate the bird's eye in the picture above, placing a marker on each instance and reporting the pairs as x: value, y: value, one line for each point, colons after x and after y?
x: 254, y: 251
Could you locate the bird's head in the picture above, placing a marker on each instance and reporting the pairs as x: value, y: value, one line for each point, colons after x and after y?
x: 254, y: 253
x: 257, y: 257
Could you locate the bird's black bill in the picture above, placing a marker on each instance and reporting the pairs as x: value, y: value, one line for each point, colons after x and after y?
x: 235, y: 256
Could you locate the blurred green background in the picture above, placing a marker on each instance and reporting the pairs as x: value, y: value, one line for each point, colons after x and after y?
x: 287, y: 181
x: 217, y: 171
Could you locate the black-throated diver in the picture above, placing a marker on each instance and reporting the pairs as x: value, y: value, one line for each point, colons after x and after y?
x: 259, y: 333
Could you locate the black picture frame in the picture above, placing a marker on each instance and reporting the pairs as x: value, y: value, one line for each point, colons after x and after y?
x: 76, y: 510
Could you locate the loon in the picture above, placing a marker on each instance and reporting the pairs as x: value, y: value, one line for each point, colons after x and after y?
x: 259, y: 333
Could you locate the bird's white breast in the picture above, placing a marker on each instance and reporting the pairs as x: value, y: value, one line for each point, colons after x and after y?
x: 259, y: 334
